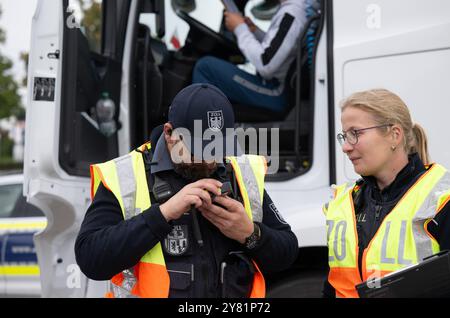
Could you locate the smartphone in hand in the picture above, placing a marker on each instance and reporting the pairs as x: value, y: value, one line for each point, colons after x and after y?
x: 226, y: 189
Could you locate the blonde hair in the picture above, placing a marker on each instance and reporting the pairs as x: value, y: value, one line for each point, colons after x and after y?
x: 387, y: 108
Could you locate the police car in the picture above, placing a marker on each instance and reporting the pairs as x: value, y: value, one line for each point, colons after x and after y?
x: 19, y: 221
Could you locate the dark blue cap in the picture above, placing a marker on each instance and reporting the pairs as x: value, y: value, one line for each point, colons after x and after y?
x: 204, y: 110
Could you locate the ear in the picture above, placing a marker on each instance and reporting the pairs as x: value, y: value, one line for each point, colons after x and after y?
x: 397, y: 134
x: 167, y: 131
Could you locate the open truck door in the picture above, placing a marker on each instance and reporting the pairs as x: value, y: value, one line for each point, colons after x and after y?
x: 75, y: 62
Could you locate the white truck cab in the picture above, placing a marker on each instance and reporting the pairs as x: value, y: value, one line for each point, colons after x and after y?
x: 118, y: 48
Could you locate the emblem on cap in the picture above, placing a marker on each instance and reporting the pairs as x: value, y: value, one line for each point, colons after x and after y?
x: 215, y: 120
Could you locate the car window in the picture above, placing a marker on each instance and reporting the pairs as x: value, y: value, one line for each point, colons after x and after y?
x: 25, y: 209
x: 8, y: 197
x: 13, y: 204
x: 208, y: 13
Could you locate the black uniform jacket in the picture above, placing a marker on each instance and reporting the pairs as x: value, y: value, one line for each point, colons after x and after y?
x: 107, y: 244
x: 372, y: 206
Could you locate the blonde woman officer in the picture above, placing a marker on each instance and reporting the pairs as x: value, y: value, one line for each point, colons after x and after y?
x: 398, y: 212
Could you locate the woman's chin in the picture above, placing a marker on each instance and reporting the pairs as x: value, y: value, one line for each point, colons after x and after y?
x: 358, y: 169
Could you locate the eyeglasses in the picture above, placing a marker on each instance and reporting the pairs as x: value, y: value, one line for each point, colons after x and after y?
x: 351, y: 136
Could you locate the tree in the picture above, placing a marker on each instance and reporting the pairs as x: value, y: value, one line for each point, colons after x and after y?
x: 92, y: 23
x: 24, y: 58
x: 10, y: 102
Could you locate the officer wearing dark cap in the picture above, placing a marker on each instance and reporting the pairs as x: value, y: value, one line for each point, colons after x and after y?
x: 187, y: 216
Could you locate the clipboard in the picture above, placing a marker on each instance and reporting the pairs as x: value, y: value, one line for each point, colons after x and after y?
x: 429, y: 278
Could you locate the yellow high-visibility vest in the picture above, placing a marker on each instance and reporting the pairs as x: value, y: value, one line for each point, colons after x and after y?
x: 401, y: 240
x: 125, y: 177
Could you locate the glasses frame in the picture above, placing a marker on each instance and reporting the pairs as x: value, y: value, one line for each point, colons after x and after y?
x: 342, y: 137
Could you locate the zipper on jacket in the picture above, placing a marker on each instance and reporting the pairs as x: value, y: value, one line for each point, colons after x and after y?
x: 377, y: 213
x: 375, y: 224
x: 373, y: 229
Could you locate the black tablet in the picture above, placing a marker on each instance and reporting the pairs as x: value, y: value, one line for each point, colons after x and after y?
x: 430, y: 278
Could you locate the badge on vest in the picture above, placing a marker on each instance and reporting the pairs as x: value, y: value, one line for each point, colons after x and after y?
x: 177, y: 242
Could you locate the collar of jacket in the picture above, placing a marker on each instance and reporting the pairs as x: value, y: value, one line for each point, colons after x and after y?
x: 404, y: 179
x: 161, y: 160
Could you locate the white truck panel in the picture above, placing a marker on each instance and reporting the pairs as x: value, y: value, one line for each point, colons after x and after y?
x: 300, y: 199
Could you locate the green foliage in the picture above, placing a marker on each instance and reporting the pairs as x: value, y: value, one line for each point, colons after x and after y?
x: 2, y: 33
x: 92, y: 23
x: 24, y: 57
x: 9, y: 96
x: 9, y: 164
x: 6, y: 148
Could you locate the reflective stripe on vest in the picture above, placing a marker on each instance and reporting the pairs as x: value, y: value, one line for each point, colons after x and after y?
x: 402, y: 238
x: 125, y: 177
x: 250, y: 178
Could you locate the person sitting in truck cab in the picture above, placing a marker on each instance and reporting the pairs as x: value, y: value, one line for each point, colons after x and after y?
x: 398, y: 213
x: 271, y: 53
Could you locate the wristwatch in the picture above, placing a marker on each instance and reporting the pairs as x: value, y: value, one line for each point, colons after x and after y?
x: 252, y: 241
